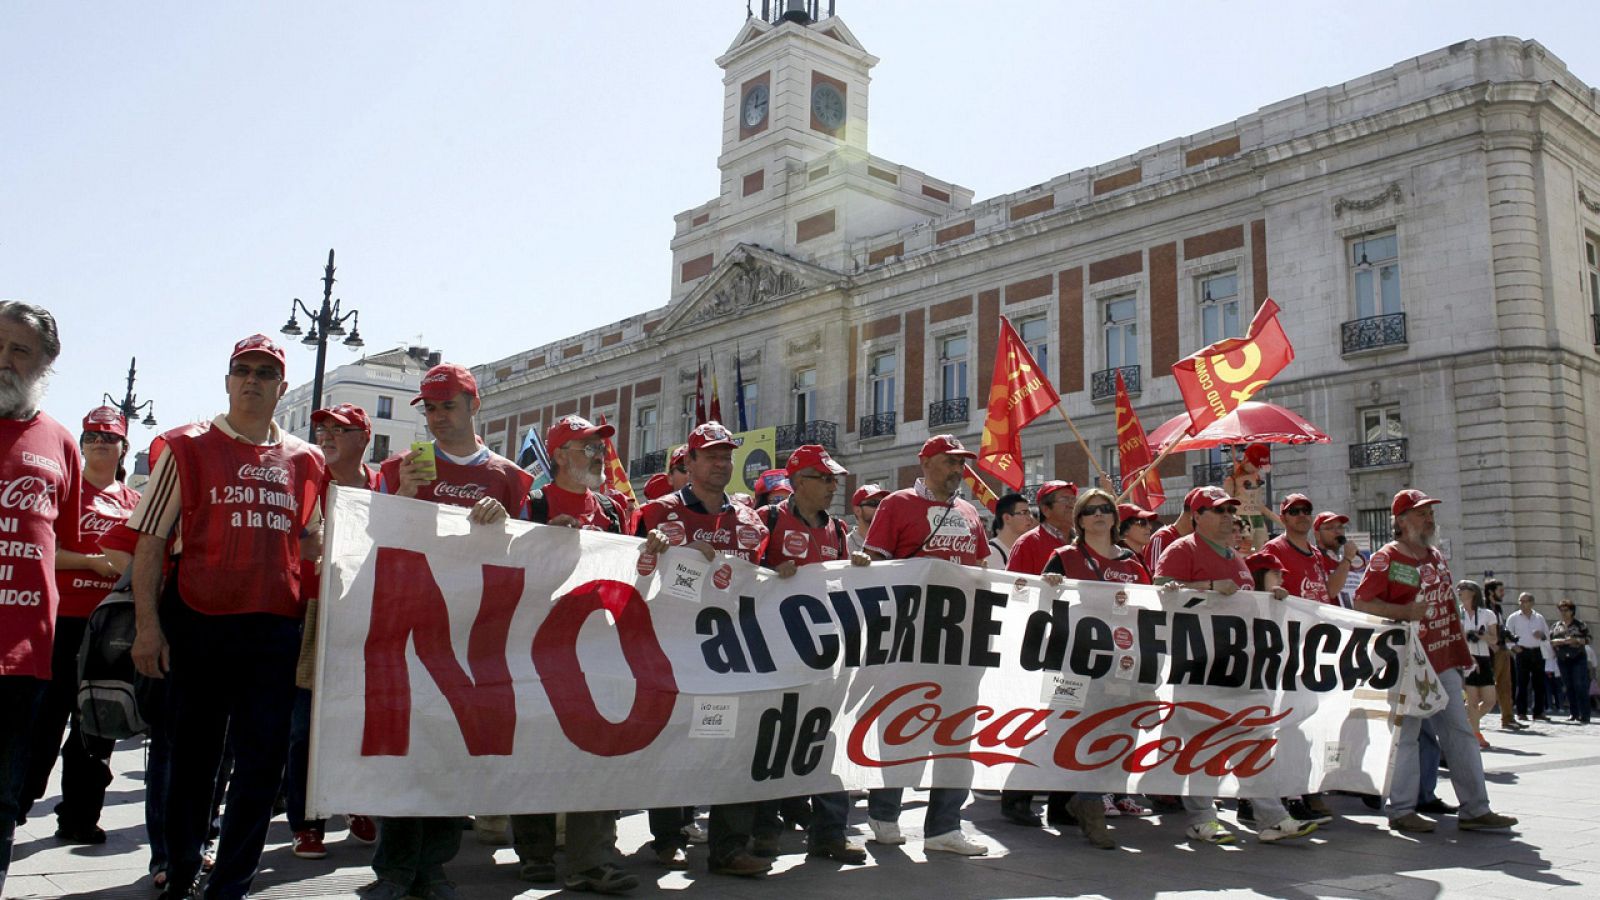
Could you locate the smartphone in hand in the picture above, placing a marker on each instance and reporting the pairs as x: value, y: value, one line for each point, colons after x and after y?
x: 425, y: 460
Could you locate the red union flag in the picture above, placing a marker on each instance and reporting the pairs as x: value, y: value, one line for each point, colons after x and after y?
x: 1018, y: 394
x: 1133, y: 453
x: 1219, y: 378
x: 616, y: 473
x: 980, y: 490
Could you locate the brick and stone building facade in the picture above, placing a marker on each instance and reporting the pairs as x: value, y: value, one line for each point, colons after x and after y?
x: 1430, y: 231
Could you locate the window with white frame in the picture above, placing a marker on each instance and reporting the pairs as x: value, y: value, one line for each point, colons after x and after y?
x: 1121, y: 331
x: 752, y: 400
x: 1591, y: 249
x: 689, y: 418
x: 1033, y: 471
x: 645, y: 432
x: 1035, y: 334
x: 385, y: 407
x: 953, y: 367
x: 1375, y: 274
x: 881, y: 379
x: 805, y: 395
x: 1381, y: 423
x: 1219, y: 307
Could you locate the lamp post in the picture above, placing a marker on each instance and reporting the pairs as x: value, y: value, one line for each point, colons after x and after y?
x: 326, y: 322
x: 129, y: 406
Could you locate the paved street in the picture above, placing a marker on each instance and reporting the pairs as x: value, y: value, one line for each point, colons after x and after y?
x: 1549, y: 778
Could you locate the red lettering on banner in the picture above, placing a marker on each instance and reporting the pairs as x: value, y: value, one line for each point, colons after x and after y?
x: 555, y: 656
x: 903, y: 729
x: 407, y: 605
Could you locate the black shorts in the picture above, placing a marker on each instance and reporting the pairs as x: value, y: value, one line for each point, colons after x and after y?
x: 1482, y: 674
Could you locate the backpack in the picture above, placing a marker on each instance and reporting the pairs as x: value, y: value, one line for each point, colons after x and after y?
x: 839, y: 534
x: 109, y: 688
x: 539, y: 509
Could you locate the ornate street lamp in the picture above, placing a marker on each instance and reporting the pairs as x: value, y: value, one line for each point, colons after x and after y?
x: 129, y: 406
x: 326, y: 322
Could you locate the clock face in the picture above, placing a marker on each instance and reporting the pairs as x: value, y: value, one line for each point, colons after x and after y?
x: 827, y: 104
x: 754, y: 108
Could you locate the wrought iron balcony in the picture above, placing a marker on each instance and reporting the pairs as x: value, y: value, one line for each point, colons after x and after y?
x: 1379, y: 453
x: 879, y: 425
x: 1374, y: 333
x: 648, y: 464
x: 1210, y: 473
x: 815, y: 431
x: 1103, y: 384
x: 947, y: 412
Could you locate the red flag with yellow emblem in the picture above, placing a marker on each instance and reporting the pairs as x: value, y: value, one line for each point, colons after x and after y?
x: 1133, y: 453
x: 980, y: 490
x: 1219, y: 378
x: 1018, y: 394
x: 616, y: 473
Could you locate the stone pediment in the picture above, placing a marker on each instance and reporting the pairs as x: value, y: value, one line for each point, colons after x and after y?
x: 747, y: 278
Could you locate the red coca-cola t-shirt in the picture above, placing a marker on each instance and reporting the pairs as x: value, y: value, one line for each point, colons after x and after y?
x: 98, y: 512
x: 41, y: 478
x: 584, y: 507
x: 1305, y: 574
x: 792, y: 539
x: 910, y: 525
x: 1159, y: 542
x: 734, y: 528
x: 1395, y: 577
x: 1081, y: 562
x: 457, y: 484
x: 1031, y: 551
x: 1190, y: 558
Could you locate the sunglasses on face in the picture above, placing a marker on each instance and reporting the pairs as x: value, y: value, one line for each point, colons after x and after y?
x: 1103, y: 509
x: 1298, y: 511
x: 262, y: 373
x: 100, y: 437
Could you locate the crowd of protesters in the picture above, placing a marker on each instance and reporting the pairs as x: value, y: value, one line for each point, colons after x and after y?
x: 220, y: 553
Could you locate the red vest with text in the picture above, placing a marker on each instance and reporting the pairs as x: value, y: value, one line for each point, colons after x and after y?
x: 244, y: 508
x: 790, y: 538
x: 459, y: 485
x: 737, y: 530
x: 98, y: 512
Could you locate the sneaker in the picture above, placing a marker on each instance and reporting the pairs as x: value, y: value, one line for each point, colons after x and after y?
x: 1301, y: 810
x: 1285, y: 830
x: 741, y: 864
x: 887, y: 833
x: 1109, y: 802
x: 1090, y: 813
x: 308, y: 844
x: 81, y: 834
x: 1411, y: 823
x: 1210, y: 832
x: 1128, y: 806
x: 672, y: 858
x: 694, y: 833
x: 383, y: 890
x: 362, y: 828
x: 842, y: 850
x: 1489, y: 821
x: 606, y: 878
x: 491, y: 830
x: 954, y: 842
x: 538, y: 871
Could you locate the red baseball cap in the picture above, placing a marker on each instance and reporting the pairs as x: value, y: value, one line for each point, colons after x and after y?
x: 1328, y: 518
x: 1291, y: 500
x: 711, y: 434
x: 1051, y: 487
x: 569, y: 428
x: 1208, y: 497
x: 944, y: 443
x: 813, y: 456
x: 260, y: 343
x: 1258, y: 454
x: 772, y: 481
x: 1264, y: 561
x: 1128, y: 511
x: 679, y: 457
x: 1410, y: 499
x: 657, y: 486
x: 347, y: 414
x: 443, y: 382
x: 867, y: 493
x: 108, y: 419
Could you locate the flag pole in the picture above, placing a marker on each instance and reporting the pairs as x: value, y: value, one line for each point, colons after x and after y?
x: 1062, y: 409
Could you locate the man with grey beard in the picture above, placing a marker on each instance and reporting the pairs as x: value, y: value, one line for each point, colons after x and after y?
x: 40, y: 475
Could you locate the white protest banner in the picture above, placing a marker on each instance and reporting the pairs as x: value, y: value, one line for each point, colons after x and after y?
x: 522, y: 668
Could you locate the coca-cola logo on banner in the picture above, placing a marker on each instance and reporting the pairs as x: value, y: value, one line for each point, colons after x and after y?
x: 722, y: 577
x: 1123, y: 637
x: 29, y: 493
x: 646, y: 563
x: 270, y: 474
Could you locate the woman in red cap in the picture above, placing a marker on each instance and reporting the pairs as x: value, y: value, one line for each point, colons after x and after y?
x: 83, y: 576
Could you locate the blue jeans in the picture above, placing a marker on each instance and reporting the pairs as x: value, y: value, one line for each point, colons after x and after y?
x: 1428, y: 757
x: 830, y: 814
x: 412, y: 850
x: 295, y: 774
x: 1458, y: 742
x: 1575, y: 674
x: 944, y: 808
x: 19, y: 698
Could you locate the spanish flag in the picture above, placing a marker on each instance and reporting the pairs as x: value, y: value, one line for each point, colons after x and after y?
x: 980, y: 490
x: 1018, y: 394
x: 616, y: 472
x: 1219, y: 378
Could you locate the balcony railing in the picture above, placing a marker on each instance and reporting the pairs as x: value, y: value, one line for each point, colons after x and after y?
x: 947, y: 412
x: 648, y: 464
x: 1103, y: 384
x: 1374, y: 333
x: 879, y: 425
x: 1210, y: 473
x: 815, y: 431
x: 1379, y: 453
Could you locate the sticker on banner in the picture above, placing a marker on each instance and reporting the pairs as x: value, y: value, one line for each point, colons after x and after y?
x: 646, y: 563
x: 714, y: 717
x: 722, y: 577
x: 1123, y: 637
x: 1120, y: 608
x: 682, y: 578
x: 1064, y: 691
x: 1334, y: 754
x: 1127, y: 667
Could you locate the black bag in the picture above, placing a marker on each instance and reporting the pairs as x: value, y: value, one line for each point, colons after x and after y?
x: 109, y: 687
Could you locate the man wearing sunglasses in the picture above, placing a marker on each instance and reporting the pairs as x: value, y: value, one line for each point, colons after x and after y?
x: 864, y: 505
x: 236, y: 498
x: 1306, y: 570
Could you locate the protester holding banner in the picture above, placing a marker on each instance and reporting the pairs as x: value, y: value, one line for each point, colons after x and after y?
x: 801, y: 533
x: 43, y: 469
x: 462, y: 472
x: 1031, y: 551
x: 1013, y: 518
x: 1408, y: 579
x: 83, y: 576
x: 685, y: 518
x: 863, y: 505
x: 1203, y: 561
x: 235, y: 498
x: 929, y: 520
x: 1166, y: 534
x: 577, y: 455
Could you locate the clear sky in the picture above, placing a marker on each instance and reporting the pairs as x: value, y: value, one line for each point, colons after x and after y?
x: 495, y: 175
